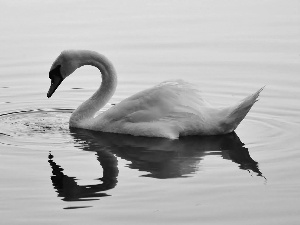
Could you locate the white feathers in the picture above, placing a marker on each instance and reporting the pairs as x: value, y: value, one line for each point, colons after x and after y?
x: 169, y: 109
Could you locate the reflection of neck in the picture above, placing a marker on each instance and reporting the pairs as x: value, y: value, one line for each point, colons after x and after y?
x: 88, y: 109
x: 68, y: 188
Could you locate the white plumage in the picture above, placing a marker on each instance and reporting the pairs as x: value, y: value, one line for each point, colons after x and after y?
x: 170, y: 109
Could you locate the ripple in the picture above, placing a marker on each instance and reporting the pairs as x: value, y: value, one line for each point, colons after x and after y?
x: 271, y: 128
x: 35, y: 128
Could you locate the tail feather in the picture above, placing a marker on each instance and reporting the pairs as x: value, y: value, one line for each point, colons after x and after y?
x: 238, y: 112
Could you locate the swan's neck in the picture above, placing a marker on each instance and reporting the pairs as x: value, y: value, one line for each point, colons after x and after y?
x: 87, y: 110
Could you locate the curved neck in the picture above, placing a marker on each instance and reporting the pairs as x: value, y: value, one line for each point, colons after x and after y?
x: 91, y: 106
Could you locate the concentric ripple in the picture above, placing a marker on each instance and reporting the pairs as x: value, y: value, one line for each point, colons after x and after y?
x: 35, y: 128
x: 273, y: 128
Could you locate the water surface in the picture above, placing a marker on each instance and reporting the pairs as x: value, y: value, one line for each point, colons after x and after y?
x: 229, y: 49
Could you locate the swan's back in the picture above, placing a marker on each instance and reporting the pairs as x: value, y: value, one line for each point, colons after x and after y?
x: 170, y: 109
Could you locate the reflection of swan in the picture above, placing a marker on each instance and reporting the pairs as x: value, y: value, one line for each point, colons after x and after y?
x: 170, y: 109
x: 159, y: 158
x: 163, y: 158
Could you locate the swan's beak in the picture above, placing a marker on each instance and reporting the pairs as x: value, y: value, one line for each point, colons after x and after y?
x: 55, y: 82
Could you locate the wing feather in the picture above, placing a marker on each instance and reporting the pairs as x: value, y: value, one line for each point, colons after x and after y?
x: 163, y: 100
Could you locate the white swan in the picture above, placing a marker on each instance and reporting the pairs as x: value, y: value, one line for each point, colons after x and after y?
x: 170, y: 109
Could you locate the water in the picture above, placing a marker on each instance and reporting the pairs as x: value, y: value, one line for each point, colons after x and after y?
x: 229, y: 49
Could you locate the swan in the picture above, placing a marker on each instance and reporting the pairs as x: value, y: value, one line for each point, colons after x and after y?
x: 168, y: 110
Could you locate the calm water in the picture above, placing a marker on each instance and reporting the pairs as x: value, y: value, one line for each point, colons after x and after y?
x: 229, y: 49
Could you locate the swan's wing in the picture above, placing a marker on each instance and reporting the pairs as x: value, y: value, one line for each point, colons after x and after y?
x: 163, y: 100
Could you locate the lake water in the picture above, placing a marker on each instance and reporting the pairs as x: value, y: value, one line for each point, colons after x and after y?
x: 51, y: 174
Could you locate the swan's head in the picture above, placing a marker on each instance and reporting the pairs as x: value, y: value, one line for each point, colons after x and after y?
x: 65, y: 64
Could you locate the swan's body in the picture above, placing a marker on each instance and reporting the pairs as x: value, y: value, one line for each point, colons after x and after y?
x: 170, y: 109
